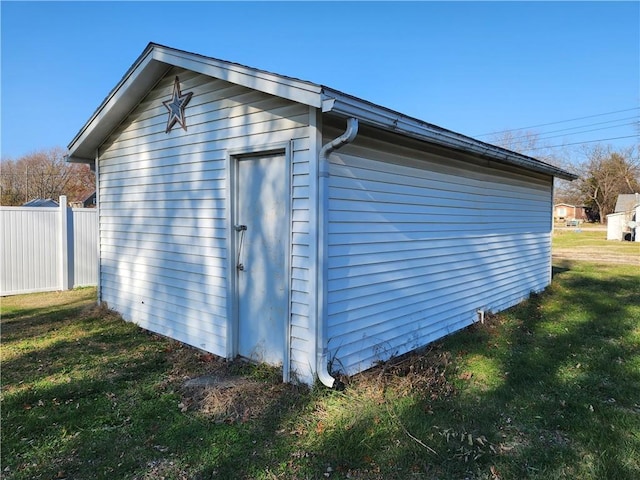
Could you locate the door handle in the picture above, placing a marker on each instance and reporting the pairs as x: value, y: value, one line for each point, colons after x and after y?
x: 241, y: 229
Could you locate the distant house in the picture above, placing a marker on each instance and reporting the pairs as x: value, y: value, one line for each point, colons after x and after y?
x: 89, y: 201
x: 622, y: 224
x: 41, y: 202
x: 257, y: 215
x: 565, y: 211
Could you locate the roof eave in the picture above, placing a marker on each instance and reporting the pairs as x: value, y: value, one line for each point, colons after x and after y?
x: 374, y: 115
x: 139, y: 79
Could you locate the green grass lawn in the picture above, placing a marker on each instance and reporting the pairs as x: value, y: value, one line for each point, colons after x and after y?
x: 584, y: 238
x: 548, y: 390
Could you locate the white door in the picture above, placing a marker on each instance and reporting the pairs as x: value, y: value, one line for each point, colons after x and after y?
x: 261, y: 240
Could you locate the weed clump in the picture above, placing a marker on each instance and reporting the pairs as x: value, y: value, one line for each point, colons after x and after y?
x: 422, y: 372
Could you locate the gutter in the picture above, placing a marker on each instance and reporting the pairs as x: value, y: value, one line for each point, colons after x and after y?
x: 322, y: 351
x: 390, y: 120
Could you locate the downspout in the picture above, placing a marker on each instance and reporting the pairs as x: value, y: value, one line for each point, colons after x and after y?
x: 553, y: 216
x: 96, y: 169
x: 323, y: 205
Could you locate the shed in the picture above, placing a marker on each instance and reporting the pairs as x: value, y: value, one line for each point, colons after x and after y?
x: 257, y: 215
x: 623, y: 223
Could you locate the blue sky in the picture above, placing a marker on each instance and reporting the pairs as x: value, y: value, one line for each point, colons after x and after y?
x: 474, y: 67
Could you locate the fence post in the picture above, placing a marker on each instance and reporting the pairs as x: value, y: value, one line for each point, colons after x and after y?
x: 64, y: 245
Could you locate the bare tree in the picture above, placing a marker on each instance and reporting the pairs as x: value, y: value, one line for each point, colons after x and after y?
x: 44, y: 174
x: 527, y: 142
x: 606, y: 174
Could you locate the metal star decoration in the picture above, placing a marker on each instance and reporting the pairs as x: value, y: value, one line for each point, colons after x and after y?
x: 176, y: 107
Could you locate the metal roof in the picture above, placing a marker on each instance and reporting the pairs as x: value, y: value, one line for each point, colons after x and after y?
x: 156, y: 60
x: 41, y: 202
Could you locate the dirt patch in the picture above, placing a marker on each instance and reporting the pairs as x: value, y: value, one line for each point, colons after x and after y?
x: 595, y: 256
x: 235, y: 399
x: 100, y: 311
x: 226, y: 391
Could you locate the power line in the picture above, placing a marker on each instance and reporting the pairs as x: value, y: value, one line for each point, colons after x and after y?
x: 559, y: 121
x: 580, y: 143
x: 637, y: 119
x: 587, y: 131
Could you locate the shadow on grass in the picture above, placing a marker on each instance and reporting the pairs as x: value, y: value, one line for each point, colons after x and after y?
x: 23, y: 322
x: 560, y: 267
x: 100, y: 403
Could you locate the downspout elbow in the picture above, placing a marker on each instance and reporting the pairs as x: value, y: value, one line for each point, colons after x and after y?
x: 323, y: 372
x: 322, y: 361
x: 347, y: 137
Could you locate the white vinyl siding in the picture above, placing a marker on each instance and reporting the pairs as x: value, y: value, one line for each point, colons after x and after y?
x: 419, y: 242
x: 301, y: 332
x: 163, y: 199
x: 38, y: 253
x: 31, y: 247
x: 84, y: 247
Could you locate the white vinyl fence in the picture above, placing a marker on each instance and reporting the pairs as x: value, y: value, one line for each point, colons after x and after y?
x: 44, y: 248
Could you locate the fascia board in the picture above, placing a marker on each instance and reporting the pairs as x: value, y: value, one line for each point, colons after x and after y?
x: 386, y: 119
x: 123, y: 98
x: 285, y: 87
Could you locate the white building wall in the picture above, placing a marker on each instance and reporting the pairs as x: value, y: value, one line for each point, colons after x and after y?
x: 163, y: 197
x: 419, y: 242
x: 615, y: 225
x: 636, y: 219
x: 302, y: 331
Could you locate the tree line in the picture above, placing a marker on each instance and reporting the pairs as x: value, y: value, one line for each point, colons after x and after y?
x: 44, y: 174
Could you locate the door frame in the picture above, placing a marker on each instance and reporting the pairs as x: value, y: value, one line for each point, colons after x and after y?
x: 233, y: 295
